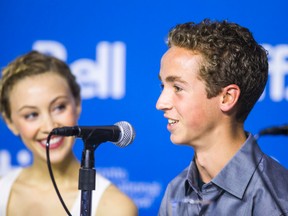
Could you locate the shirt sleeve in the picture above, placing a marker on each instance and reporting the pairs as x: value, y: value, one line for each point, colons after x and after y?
x: 166, y: 207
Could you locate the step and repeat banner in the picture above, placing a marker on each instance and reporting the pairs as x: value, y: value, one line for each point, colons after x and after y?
x: 114, y: 49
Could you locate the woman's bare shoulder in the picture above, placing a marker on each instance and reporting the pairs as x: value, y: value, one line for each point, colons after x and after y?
x: 115, y: 202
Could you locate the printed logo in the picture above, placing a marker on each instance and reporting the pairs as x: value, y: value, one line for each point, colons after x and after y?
x: 104, y: 77
x: 278, y: 71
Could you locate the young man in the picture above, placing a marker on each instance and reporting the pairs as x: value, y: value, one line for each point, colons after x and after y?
x: 212, y: 75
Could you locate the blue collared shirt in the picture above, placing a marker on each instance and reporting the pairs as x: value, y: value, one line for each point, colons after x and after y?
x: 250, y: 184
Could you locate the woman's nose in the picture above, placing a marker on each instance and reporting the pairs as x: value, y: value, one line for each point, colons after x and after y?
x: 48, y: 124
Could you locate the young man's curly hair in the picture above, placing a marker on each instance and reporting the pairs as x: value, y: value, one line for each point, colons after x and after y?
x: 230, y: 56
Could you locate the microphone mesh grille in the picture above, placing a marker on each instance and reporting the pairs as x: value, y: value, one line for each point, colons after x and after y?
x: 127, y: 134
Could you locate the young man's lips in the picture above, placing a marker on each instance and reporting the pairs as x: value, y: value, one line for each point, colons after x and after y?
x: 171, y: 124
x: 172, y: 121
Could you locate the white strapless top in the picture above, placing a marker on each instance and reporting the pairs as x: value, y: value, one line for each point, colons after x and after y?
x: 7, y: 181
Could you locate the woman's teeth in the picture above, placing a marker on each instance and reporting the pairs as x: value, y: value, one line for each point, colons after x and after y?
x: 52, y: 141
x: 55, y: 140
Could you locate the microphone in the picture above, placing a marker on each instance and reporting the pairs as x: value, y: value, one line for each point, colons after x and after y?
x: 278, y: 130
x: 121, y: 133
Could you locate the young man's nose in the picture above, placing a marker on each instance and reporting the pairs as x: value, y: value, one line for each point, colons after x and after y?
x: 163, y: 102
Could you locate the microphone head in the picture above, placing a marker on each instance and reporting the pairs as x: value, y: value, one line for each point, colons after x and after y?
x: 127, y: 134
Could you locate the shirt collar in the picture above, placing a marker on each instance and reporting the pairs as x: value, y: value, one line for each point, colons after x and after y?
x: 235, y: 176
x: 192, y: 178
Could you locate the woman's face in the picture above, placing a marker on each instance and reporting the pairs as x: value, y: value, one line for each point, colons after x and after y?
x: 39, y: 104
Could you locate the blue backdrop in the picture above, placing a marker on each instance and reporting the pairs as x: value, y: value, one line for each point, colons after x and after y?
x: 114, y: 49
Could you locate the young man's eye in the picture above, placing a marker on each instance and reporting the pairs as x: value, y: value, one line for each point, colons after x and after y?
x: 162, y: 86
x: 177, y: 88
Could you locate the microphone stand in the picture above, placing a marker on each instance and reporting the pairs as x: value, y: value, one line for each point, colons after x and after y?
x: 87, y: 174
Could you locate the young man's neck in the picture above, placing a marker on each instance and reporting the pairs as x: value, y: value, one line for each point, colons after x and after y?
x: 212, y: 158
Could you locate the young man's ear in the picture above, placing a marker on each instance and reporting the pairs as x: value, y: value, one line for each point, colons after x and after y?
x: 10, y: 125
x: 229, y: 97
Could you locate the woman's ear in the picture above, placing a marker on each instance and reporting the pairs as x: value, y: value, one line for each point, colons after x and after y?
x: 10, y: 125
x: 229, y: 97
x: 78, y: 108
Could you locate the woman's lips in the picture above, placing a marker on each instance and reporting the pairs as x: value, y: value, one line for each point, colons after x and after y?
x: 54, y: 142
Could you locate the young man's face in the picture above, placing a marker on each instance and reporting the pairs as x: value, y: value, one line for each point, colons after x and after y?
x: 192, y: 117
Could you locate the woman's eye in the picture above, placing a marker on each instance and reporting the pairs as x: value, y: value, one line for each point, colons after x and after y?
x: 31, y: 115
x: 60, y: 107
x: 162, y: 86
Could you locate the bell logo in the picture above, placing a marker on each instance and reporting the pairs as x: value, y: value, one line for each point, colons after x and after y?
x: 278, y: 71
x: 104, y: 77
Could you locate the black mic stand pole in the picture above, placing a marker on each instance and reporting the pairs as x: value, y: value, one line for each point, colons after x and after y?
x: 87, y: 175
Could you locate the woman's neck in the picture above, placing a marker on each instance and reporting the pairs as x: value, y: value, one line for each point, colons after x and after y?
x: 67, y: 170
